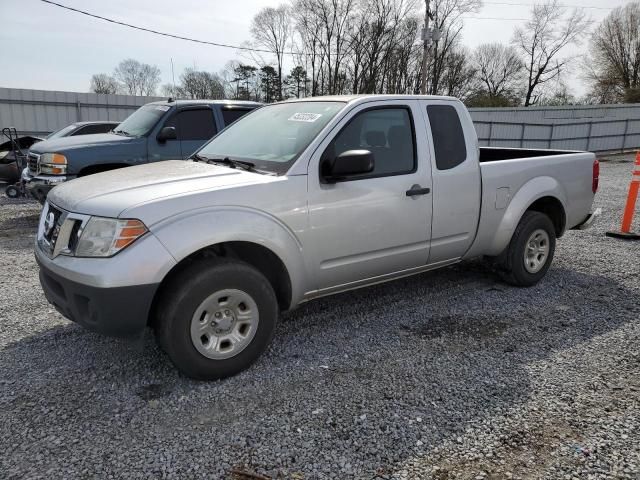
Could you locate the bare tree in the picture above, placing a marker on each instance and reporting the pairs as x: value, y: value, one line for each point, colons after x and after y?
x: 499, y: 70
x: 137, y: 78
x: 542, y: 40
x: 271, y: 29
x: 324, y: 25
x: 447, y: 18
x: 200, y: 84
x: 613, y: 66
x: 171, y: 90
x: 458, y: 74
x: 103, y: 83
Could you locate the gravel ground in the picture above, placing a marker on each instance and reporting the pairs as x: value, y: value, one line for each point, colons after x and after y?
x: 445, y: 375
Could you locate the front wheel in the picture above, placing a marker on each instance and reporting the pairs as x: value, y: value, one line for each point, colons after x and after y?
x: 530, y: 252
x: 215, y: 318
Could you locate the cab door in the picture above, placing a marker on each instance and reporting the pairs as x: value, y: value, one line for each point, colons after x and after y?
x: 456, y: 178
x: 379, y: 223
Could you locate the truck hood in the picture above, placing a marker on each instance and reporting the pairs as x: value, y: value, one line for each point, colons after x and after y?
x: 68, y: 143
x: 118, y: 192
x: 86, y: 150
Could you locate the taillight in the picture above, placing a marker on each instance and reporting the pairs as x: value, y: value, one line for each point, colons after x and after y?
x: 596, y: 176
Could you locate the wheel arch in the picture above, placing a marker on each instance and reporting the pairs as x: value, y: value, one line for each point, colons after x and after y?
x: 251, y: 236
x: 552, y: 208
x: 258, y: 256
x: 542, y: 194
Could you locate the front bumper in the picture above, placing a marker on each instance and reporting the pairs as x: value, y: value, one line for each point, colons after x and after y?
x: 115, y: 311
x: 107, y: 295
x: 40, y: 185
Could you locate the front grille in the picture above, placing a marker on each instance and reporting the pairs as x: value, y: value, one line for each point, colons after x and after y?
x: 52, y: 226
x: 59, y: 230
x: 32, y: 162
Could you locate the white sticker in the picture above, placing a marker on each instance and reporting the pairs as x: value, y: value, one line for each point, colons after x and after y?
x: 305, y: 117
x: 164, y: 108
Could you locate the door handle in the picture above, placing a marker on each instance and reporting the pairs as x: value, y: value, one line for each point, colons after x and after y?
x: 417, y: 190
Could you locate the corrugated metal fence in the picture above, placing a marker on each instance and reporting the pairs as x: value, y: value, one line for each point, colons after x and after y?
x: 40, y: 112
x: 597, y: 128
x: 594, y: 135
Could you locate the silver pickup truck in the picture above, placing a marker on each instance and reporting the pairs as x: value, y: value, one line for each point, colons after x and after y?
x: 294, y: 201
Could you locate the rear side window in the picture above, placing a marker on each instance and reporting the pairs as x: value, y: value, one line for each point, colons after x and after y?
x: 231, y: 115
x: 197, y: 124
x: 448, y: 137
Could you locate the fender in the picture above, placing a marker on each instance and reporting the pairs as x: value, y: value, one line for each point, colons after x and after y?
x: 212, y: 225
x: 497, y: 235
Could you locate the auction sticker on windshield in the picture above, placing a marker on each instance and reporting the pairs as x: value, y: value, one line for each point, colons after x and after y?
x: 164, y: 108
x: 305, y: 117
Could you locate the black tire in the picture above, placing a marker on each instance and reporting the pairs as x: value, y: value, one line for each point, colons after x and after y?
x: 511, y: 263
x: 185, y: 293
x: 12, y: 191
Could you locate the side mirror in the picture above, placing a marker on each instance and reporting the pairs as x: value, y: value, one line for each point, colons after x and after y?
x: 167, y: 133
x: 348, y: 164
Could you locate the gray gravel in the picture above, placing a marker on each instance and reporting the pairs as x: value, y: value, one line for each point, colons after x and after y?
x: 449, y: 374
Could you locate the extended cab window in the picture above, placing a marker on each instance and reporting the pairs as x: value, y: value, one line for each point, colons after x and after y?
x: 385, y: 132
x: 230, y: 115
x: 194, y: 124
x: 448, y: 137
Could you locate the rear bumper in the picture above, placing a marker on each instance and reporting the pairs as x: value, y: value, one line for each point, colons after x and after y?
x: 115, y: 311
x: 589, y: 221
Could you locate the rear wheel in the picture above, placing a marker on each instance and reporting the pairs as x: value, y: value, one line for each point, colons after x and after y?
x: 215, y: 318
x: 530, y: 252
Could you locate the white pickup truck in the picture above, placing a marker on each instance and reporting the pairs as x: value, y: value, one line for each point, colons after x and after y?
x: 294, y: 201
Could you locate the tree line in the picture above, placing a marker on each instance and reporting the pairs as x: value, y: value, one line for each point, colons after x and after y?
x: 373, y: 46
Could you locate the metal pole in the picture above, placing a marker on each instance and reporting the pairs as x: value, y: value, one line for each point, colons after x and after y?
x: 624, y: 135
x: 425, y: 52
x: 490, y: 134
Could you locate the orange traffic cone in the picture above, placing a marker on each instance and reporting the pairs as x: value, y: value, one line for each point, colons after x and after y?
x: 627, y: 216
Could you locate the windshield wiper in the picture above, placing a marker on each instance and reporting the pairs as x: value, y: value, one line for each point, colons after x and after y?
x: 122, y: 132
x: 249, y: 166
x: 198, y: 158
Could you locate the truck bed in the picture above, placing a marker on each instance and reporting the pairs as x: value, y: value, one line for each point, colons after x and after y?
x: 495, y: 154
x: 567, y: 173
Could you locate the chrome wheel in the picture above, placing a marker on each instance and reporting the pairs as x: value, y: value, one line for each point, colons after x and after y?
x: 224, y: 324
x: 536, y: 251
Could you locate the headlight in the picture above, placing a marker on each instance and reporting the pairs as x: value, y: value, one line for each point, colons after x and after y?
x: 53, y: 163
x: 104, y: 237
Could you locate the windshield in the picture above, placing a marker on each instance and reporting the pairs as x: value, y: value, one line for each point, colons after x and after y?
x: 141, y: 121
x: 272, y: 137
x: 63, y: 132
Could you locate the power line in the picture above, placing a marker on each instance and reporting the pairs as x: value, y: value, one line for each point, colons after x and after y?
x: 164, y: 34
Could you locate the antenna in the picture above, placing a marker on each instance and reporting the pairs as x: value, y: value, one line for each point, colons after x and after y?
x: 173, y: 78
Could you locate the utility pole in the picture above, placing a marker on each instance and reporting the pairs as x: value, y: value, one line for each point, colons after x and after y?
x: 425, y: 52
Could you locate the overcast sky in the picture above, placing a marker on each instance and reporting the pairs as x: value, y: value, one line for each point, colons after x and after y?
x: 46, y: 47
